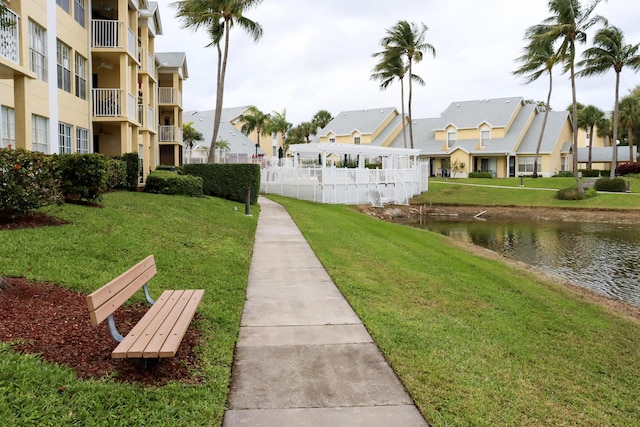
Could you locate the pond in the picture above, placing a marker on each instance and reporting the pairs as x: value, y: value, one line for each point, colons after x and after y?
x: 602, y: 257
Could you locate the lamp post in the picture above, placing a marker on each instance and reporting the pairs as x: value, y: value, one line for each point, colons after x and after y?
x: 257, y: 146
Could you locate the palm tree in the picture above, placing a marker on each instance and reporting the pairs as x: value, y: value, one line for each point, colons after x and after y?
x: 630, y: 117
x: 223, y: 146
x: 322, y: 118
x: 256, y: 121
x: 217, y: 17
x: 407, y: 40
x: 610, y: 52
x: 307, y: 129
x: 567, y: 25
x: 279, y: 124
x: 588, y: 118
x: 538, y: 59
x: 190, y: 135
x: 389, y: 68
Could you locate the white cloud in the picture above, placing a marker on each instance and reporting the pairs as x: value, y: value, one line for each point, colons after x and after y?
x: 316, y: 55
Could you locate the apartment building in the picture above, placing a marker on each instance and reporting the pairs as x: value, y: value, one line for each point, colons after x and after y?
x: 80, y: 76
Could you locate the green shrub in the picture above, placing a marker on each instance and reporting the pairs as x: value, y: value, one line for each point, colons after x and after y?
x: 165, y: 182
x: 570, y: 194
x: 134, y: 171
x: 480, y: 175
x: 83, y: 176
x: 28, y: 180
x: 628, y: 168
x: 116, y: 173
x: 169, y: 168
x: 608, y: 184
x: 227, y: 181
x: 564, y: 174
x: 590, y: 173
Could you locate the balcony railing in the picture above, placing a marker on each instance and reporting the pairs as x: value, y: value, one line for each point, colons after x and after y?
x: 131, y: 42
x: 170, y: 134
x: 169, y: 95
x: 9, y: 47
x: 131, y: 106
x: 151, y: 123
x: 106, y: 33
x: 107, y: 102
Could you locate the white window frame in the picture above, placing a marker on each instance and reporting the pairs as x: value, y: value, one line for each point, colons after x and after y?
x: 357, y: 140
x: 79, y: 12
x: 82, y: 140
x: 81, y: 76
x: 485, y: 136
x: 8, y: 127
x: 64, y: 138
x: 63, y: 55
x: 37, y: 50
x: 452, y: 137
x: 525, y: 164
x: 39, y: 133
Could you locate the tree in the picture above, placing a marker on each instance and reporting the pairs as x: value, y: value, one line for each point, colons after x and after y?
x: 307, y: 129
x: 538, y: 59
x: 322, y: 118
x: 294, y: 136
x: 223, y: 146
x: 217, y: 17
x: 456, y: 167
x: 588, y: 118
x: 630, y: 117
x: 190, y: 135
x: 279, y: 124
x: 609, y: 52
x: 256, y: 121
x: 567, y: 26
x: 389, y: 68
x: 407, y: 40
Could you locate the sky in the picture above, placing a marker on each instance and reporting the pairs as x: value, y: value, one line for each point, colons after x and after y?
x: 317, y: 54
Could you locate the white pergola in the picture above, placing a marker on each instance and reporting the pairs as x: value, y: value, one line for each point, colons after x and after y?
x: 311, y: 174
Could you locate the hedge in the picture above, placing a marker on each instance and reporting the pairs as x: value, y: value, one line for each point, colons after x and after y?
x: 166, y: 182
x: 227, y: 181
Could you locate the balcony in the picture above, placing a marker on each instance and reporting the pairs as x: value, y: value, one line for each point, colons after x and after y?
x: 170, y: 134
x: 105, y: 33
x: 169, y: 95
x: 107, y: 102
x: 9, y: 47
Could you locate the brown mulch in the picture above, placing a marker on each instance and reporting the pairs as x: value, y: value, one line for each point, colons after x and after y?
x: 45, y: 319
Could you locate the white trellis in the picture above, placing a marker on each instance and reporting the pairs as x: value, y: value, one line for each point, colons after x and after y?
x: 314, y: 172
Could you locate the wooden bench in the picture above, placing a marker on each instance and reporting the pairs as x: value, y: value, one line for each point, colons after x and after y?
x: 160, y: 331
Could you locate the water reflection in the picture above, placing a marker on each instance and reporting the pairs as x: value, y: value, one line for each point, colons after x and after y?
x: 602, y: 257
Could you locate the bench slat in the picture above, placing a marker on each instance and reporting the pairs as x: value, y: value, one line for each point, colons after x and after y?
x: 164, y: 343
x: 160, y: 308
x: 108, y: 298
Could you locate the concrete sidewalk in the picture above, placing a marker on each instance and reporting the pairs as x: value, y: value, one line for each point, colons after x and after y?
x: 303, y: 357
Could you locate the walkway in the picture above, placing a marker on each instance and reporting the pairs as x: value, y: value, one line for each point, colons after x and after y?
x: 303, y: 357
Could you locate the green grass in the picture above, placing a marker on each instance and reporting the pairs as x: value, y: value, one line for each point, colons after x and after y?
x: 507, y: 192
x: 197, y: 243
x: 476, y: 342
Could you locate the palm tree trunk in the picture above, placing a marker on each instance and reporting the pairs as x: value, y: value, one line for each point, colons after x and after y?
x: 544, y: 125
x: 630, y: 134
x: 219, y: 91
x: 409, y: 103
x: 574, y: 114
x: 614, y: 142
x: 590, y: 146
x: 404, y: 130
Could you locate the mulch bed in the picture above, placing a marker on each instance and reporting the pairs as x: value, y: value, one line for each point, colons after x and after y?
x: 45, y: 319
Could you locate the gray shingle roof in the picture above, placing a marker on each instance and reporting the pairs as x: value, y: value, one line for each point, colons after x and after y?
x: 471, y: 114
x: 603, y: 154
x: 364, y: 121
x: 555, y: 123
x: 173, y: 60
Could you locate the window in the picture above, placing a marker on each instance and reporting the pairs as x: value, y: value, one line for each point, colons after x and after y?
x: 82, y: 140
x: 37, y: 49
x: 564, y: 163
x: 8, y: 127
x: 64, y: 138
x: 78, y: 12
x: 525, y: 164
x: 451, y: 137
x: 40, y: 133
x: 64, y: 66
x: 332, y: 139
x: 81, y: 77
x: 356, y: 140
x: 64, y: 4
x: 485, y: 137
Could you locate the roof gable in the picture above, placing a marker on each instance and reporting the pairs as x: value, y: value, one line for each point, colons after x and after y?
x: 366, y: 122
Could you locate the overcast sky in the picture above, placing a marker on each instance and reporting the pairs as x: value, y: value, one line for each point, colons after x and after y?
x: 316, y: 54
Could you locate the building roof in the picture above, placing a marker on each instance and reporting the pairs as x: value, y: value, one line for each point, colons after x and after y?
x: 555, y: 123
x: 173, y: 60
x: 471, y: 114
x: 364, y: 121
x: 364, y: 149
x: 604, y: 154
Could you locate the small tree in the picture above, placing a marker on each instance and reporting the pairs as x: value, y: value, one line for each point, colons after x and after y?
x: 223, y: 146
x: 190, y: 135
x: 456, y: 167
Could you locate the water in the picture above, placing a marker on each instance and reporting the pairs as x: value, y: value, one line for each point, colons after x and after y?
x: 601, y: 257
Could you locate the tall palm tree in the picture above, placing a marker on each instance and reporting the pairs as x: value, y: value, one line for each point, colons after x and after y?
x: 279, y: 124
x: 630, y: 117
x: 217, y: 17
x: 390, y: 68
x: 307, y: 129
x: 407, y: 40
x: 256, y: 121
x: 538, y: 59
x: 322, y: 118
x: 567, y: 25
x: 610, y: 52
x: 588, y: 118
x: 190, y: 135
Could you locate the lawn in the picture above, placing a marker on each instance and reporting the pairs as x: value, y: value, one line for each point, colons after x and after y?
x: 197, y: 243
x: 474, y: 341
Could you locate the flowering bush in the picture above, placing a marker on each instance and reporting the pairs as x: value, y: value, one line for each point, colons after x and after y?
x: 27, y: 181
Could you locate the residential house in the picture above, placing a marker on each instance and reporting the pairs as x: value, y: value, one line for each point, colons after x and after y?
x: 172, y: 71
x: 80, y: 76
x: 499, y: 136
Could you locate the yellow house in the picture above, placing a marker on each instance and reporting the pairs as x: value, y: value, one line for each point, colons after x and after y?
x: 80, y: 76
